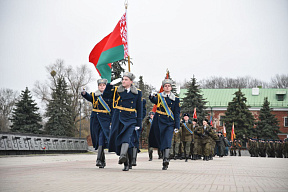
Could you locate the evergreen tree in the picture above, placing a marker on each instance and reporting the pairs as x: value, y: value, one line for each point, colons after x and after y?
x: 268, y: 125
x: 117, y: 68
x: 238, y: 112
x: 25, y: 118
x: 193, y: 98
x: 59, y: 111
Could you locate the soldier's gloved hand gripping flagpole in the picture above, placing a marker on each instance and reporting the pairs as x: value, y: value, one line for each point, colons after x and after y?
x: 127, y: 103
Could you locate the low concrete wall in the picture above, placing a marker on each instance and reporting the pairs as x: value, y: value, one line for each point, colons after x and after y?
x: 18, y: 143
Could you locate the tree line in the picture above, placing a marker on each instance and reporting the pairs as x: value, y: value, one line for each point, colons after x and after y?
x: 65, y: 109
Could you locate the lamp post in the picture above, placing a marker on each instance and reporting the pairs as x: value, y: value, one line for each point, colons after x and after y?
x: 80, y: 119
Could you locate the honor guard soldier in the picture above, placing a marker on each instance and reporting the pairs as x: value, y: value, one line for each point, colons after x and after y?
x: 100, y: 119
x: 127, y: 116
x: 166, y: 120
x: 186, y: 136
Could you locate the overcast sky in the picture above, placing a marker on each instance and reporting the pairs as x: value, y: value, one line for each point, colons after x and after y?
x: 204, y: 38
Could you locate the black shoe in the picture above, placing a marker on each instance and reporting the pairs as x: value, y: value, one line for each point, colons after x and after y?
x: 165, y: 159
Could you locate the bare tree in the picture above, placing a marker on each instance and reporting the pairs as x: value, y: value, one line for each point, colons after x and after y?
x: 239, y: 82
x: 280, y: 81
x: 76, y: 79
x: 8, y: 98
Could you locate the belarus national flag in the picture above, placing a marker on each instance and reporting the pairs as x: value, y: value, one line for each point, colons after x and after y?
x: 113, y: 47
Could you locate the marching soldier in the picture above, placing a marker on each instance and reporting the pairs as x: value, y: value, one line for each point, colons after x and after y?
x: 206, y: 132
x: 127, y: 115
x: 100, y: 119
x: 285, y: 148
x: 166, y: 120
x: 195, y: 140
x: 186, y: 137
x: 175, y: 145
x: 147, y: 125
x: 238, y: 146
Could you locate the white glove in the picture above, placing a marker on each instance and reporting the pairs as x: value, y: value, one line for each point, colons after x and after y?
x: 176, y: 130
x: 153, y: 93
x: 83, y: 91
x: 136, y: 128
x: 115, y: 81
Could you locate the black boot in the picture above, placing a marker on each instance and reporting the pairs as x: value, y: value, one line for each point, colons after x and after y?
x: 204, y: 158
x: 103, y: 162
x: 99, y: 154
x: 160, y: 155
x: 150, y: 155
x: 134, y: 156
x: 165, y: 159
x: 186, y: 159
x: 126, y: 164
x: 123, y: 154
x: 129, y: 157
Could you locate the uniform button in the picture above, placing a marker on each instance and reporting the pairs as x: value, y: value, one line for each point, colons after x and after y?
x: 97, y: 113
x: 131, y: 101
x: 120, y: 111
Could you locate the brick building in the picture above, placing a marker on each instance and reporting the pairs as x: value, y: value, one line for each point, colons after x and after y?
x: 218, y: 99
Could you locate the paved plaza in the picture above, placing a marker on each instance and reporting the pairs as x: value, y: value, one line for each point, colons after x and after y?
x: 77, y: 172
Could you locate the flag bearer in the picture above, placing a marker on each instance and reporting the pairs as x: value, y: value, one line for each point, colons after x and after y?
x: 127, y: 116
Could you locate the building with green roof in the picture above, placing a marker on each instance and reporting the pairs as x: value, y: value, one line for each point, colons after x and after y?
x: 218, y: 99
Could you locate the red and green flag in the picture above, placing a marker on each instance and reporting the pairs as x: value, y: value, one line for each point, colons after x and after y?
x: 113, y: 47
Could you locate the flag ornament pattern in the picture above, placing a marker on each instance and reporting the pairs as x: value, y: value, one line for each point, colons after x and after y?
x: 123, y: 34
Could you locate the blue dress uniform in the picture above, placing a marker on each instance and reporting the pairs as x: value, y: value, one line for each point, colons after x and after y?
x: 127, y: 115
x: 166, y: 119
x: 100, y: 121
x: 134, y: 141
x: 162, y: 127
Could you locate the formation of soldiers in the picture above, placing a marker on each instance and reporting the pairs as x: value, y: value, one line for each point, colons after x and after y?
x: 268, y: 148
x: 116, y: 125
x: 192, y: 141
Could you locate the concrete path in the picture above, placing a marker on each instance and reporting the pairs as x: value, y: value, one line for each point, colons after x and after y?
x: 77, y: 172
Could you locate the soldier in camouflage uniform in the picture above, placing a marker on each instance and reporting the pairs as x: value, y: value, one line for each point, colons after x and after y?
x: 195, y: 140
x: 186, y: 135
x: 147, y: 125
x: 205, y: 133
x: 285, y: 148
